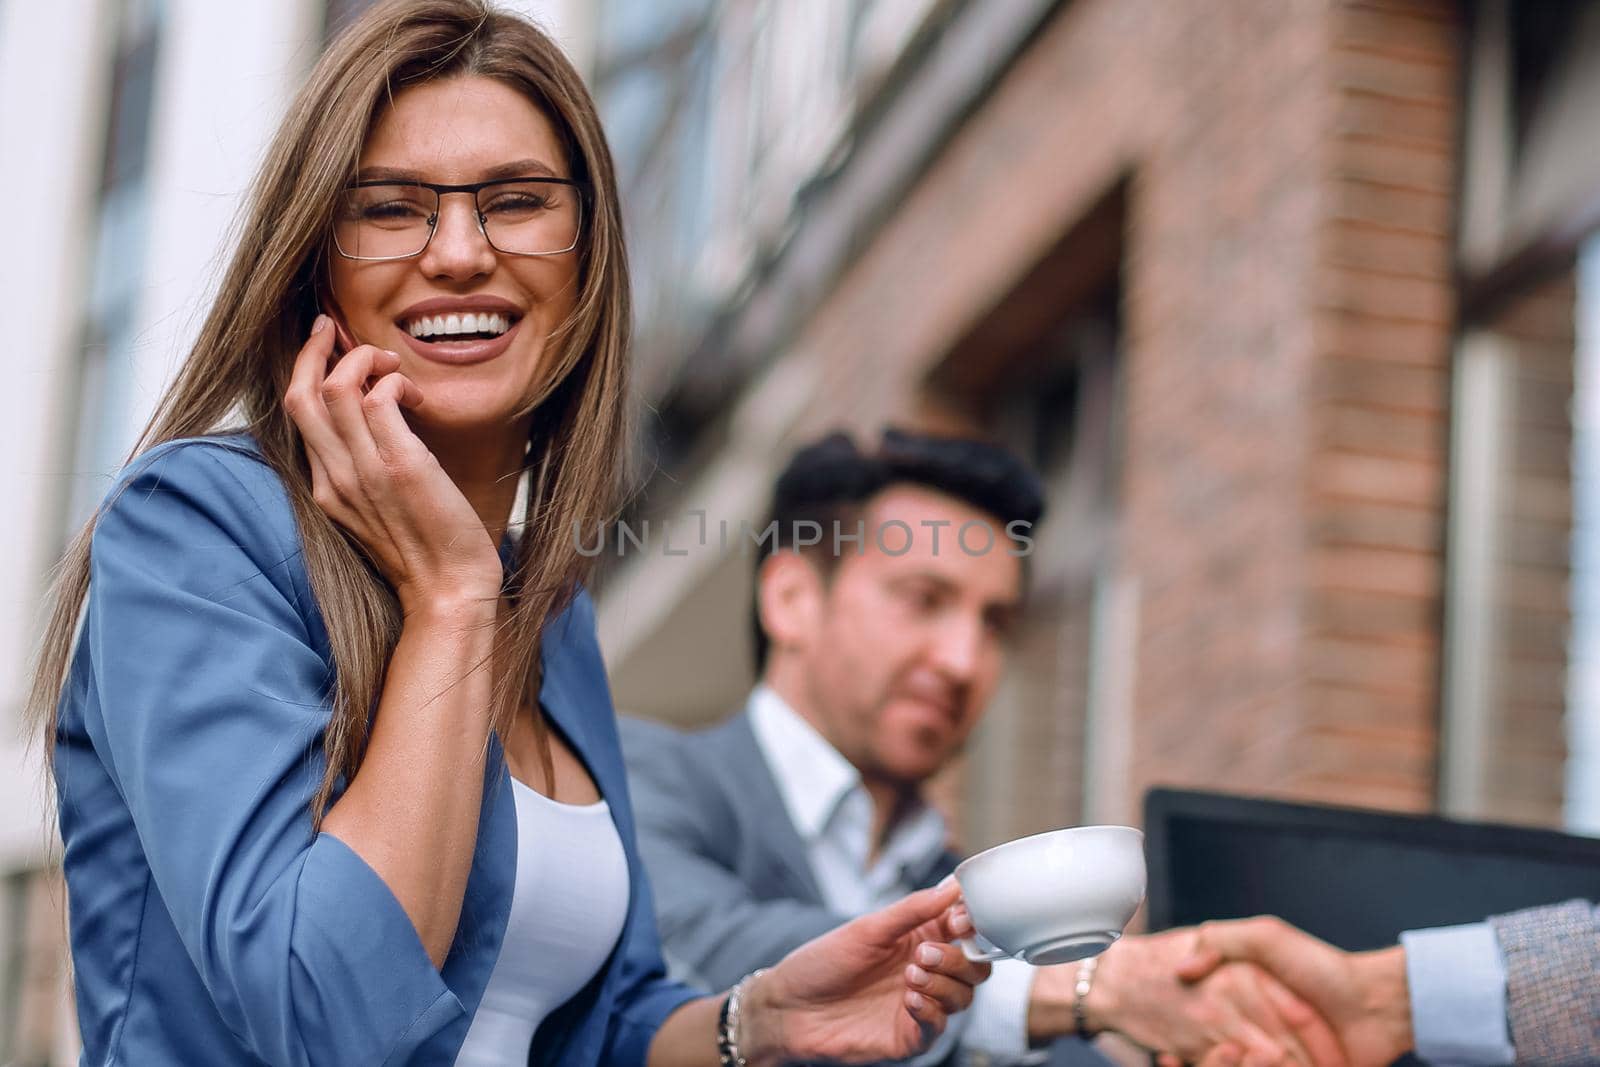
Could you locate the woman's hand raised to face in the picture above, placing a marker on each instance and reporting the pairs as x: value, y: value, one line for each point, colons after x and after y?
x: 879, y: 988
x: 375, y: 477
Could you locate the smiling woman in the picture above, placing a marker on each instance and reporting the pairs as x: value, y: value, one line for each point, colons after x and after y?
x: 338, y: 772
x: 499, y: 240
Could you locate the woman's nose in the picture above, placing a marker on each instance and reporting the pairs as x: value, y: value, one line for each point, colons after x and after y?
x: 459, y: 247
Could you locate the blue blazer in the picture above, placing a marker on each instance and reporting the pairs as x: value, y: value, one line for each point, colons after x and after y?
x: 209, y: 925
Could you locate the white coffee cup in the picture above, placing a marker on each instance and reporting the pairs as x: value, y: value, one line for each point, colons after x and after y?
x: 1053, y: 897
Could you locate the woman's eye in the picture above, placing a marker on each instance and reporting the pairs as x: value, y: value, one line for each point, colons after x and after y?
x: 393, y: 210
x: 518, y: 204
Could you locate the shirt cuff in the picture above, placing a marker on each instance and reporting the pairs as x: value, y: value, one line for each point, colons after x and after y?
x: 997, y: 1022
x: 1457, y: 981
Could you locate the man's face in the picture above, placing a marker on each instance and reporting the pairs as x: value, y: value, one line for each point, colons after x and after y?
x: 905, y: 649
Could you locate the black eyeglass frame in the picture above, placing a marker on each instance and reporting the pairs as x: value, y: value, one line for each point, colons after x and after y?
x: 580, y: 187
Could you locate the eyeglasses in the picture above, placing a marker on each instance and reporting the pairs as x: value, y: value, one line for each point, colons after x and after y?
x: 377, y: 220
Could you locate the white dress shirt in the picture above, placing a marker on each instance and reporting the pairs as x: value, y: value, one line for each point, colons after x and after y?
x: 832, y: 812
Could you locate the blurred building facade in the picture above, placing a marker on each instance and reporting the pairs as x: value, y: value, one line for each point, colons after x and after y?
x: 1281, y: 298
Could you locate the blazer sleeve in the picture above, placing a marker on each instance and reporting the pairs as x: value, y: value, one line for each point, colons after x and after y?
x: 1552, y: 961
x: 714, y: 928
x: 214, y: 706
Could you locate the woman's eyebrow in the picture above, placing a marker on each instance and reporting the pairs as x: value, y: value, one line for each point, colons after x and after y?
x: 521, y: 168
x: 379, y: 174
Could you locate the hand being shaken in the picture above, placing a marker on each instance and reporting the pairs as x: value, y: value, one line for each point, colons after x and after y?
x: 1363, y: 996
x: 1238, y: 1008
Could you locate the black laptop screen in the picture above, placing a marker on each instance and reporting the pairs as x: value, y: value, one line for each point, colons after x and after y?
x: 1354, y: 878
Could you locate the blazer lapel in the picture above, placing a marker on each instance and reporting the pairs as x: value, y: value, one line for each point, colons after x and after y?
x: 764, y: 818
x: 574, y: 698
x: 561, y: 701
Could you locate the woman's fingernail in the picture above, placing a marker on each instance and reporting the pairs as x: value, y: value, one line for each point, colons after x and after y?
x: 319, y: 325
x: 915, y: 1001
x: 929, y: 955
x: 916, y: 975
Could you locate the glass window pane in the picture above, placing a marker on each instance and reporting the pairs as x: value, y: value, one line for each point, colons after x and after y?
x: 1583, y: 683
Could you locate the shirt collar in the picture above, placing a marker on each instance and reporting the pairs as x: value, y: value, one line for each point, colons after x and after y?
x: 815, y: 780
x: 812, y: 777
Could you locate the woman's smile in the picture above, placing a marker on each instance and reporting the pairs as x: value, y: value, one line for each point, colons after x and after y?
x: 460, y: 330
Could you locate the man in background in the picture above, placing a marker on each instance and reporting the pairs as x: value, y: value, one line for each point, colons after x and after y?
x: 882, y: 612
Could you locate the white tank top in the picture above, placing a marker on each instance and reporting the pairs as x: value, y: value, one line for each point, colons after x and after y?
x: 567, y: 910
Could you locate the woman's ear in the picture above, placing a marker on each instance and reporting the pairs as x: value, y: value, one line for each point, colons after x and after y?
x: 790, y: 594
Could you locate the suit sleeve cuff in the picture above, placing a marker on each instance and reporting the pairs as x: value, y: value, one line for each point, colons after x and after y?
x: 364, y: 977
x: 634, y: 1029
x: 1457, y: 981
x: 997, y: 1022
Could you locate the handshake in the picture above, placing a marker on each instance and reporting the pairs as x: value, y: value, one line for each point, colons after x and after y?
x: 1244, y: 992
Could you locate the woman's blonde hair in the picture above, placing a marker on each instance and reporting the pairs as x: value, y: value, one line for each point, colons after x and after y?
x: 241, y: 362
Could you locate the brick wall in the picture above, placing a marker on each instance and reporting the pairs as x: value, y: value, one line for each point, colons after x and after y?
x: 1286, y: 173
x: 1375, y: 485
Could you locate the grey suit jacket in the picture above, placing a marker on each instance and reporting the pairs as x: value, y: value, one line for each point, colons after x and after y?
x: 733, y: 884
x: 1552, y: 958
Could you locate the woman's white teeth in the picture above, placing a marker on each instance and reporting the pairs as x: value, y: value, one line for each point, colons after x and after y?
x: 446, y: 325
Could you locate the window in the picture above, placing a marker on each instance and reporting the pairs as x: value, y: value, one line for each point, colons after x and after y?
x: 117, y: 270
x: 1583, y: 682
x: 1523, y: 607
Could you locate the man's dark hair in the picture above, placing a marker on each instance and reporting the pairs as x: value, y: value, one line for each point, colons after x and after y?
x: 830, y: 481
